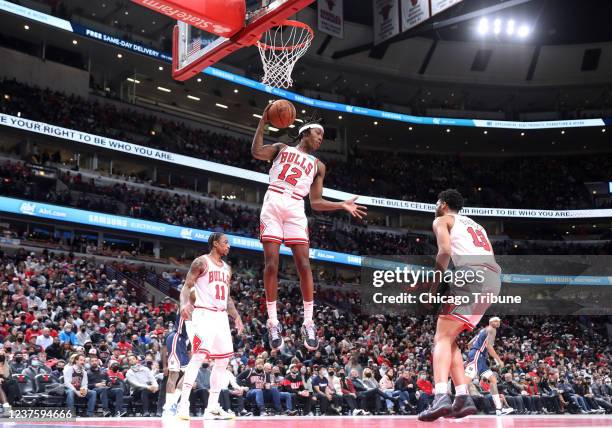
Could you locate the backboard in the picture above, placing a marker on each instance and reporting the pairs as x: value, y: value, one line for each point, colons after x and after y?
x: 209, y: 30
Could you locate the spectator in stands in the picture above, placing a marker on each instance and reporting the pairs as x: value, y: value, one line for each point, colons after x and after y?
x: 405, y: 386
x: 33, y: 369
x: 57, y: 369
x: 234, y: 391
x: 19, y: 363
x: 370, y: 382
x: 425, y: 389
x: 55, y: 350
x: 5, y: 378
x: 44, y: 340
x: 115, y: 371
x: 319, y: 387
x: 99, y: 381
x: 367, y: 398
x: 513, y: 393
x: 387, y: 385
x: 349, y: 394
x: 83, y: 336
x: 255, y: 380
x: 75, y: 382
x: 335, y: 390
x: 569, y: 395
x: 142, y: 382
x: 68, y: 336
x: 550, y: 395
x: 601, y: 394
x: 201, y: 390
x: 293, y: 384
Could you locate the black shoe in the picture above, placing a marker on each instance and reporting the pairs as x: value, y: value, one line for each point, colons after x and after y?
x: 441, y: 406
x: 274, y: 334
x: 309, y: 331
x: 463, y: 406
x: 120, y: 414
x: 106, y: 413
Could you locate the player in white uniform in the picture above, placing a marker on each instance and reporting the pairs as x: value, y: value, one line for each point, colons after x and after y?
x: 209, y: 278
x: 295, y: 174
x: 465, y: 242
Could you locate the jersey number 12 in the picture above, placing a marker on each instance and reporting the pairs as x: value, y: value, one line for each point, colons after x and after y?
x: 291, y: 178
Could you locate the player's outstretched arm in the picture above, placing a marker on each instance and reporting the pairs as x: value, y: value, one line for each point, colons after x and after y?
x: 319, y: 204
x: 233, y: 314
x: 258, y: 149
x: 198, y: 267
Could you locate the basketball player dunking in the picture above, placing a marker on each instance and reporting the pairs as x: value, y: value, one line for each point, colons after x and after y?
x: 295, y: 173
x: 465, y: 242
x: 210, y: 277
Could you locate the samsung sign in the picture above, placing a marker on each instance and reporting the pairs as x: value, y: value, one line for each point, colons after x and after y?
x: 258, y: 177
x: 328, y: 105
x: 128, y: 224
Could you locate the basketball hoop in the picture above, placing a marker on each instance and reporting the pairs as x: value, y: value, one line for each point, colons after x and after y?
x: 280, y: 48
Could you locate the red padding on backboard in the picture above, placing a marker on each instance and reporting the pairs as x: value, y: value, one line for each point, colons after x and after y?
x: 245, y: 37
x: 221, y: 17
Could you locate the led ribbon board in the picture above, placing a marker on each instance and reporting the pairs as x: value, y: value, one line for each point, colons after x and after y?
x: 258, y: 177
x: 129, y: 224
x: 327, y: 105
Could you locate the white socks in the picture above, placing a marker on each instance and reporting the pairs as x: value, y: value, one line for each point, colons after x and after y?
x: 441, y: 388
x: 271, y: 306
x: 461, y: 389
x: 497, y: 401
x: 171, y: 399
x: 217, y: 378
x: 308, y: 310
x: 191, y: 372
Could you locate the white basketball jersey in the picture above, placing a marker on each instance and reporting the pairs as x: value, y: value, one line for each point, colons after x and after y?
x: 293, y: 171
x: 470, y: 244
x: 213, y: 286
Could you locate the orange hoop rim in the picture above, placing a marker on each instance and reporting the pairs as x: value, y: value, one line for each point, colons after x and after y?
x: 289, y: 23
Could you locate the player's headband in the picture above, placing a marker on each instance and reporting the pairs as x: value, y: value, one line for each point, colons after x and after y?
x: 309, y: 126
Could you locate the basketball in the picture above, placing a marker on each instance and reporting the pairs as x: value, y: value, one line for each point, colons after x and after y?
x: 281, y: 114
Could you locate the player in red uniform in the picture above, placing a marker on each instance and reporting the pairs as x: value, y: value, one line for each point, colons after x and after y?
x: 465, y: 242
x: 295, y: 173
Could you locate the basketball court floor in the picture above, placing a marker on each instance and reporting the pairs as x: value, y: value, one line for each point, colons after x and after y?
x: 549, y: 421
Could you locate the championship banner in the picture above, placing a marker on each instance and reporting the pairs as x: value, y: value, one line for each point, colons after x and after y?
x: 258, y: 177
x: 386, y: 20
x: 330, y: 16
x: 438, y: 6
x: 413, y: 13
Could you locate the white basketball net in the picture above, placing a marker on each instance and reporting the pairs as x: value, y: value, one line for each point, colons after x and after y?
x: 280, y: 48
